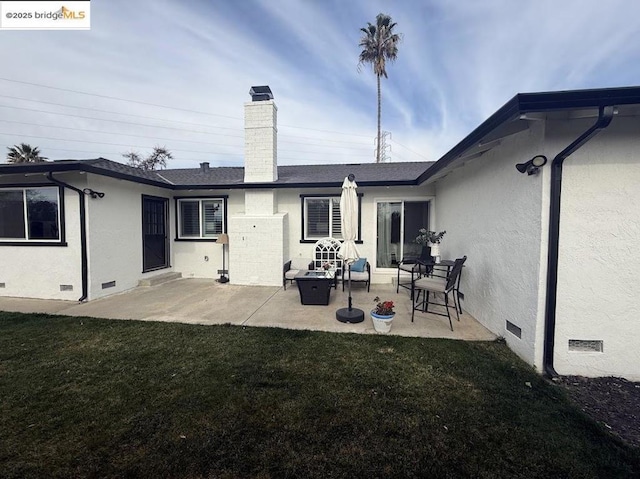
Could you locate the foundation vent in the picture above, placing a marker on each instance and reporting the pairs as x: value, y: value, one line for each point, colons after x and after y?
x: 2, y: 285
x: 586, y: 346
x: 110, y: 284
x: 513, y: 329
x: 66, y: 287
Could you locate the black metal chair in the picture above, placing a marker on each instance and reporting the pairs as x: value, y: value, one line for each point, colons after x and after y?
x: 432, y: 284
x: 442, y: 270
x: 412, y: 265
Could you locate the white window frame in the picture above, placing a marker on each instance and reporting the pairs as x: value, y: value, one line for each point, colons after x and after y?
x: 200, y: 201
x: 59, y: 215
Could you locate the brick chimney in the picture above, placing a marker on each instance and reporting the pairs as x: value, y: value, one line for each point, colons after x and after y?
x: 258, y: 236
x: 260, y: 137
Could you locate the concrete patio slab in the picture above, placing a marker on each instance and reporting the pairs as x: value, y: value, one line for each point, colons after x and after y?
x: 203, y: 301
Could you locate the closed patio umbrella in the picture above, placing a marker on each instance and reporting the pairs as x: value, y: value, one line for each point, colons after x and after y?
x: 348, y: 251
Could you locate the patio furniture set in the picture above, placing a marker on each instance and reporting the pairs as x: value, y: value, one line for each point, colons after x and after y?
x: 323, y: 272
x: 427, y: 278
x: 430, y: 276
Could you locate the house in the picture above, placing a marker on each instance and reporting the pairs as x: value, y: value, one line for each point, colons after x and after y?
x: 551, y: 269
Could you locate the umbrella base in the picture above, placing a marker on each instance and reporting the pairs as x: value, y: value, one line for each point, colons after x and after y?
x: 353, y: 315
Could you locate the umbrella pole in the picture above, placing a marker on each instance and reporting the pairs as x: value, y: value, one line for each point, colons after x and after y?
x: 350, y: 314
x: 350, y: 308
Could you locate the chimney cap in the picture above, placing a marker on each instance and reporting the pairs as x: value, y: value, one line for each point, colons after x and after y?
x: 260, y: 93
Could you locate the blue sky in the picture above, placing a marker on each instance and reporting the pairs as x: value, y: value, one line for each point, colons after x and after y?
x: 459, y: 61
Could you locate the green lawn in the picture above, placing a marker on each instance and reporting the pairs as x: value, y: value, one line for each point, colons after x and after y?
x: 98, y: 398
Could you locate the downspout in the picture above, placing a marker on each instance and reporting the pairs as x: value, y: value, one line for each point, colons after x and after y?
x: 605, y: 116
x: 84, y: 257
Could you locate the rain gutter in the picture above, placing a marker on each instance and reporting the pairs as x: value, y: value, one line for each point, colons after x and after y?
x: 84, y: 256
x: 605, y: 115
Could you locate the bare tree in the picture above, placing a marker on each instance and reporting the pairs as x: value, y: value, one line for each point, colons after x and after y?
x: 156, y: 160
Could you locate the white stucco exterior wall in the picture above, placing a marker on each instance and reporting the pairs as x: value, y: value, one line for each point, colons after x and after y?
x: 115, y: 234
x: 203, y: 259
x: 301, y: 253
x: 39, y: 271
x: 496, y: 216
x: 598, y: 287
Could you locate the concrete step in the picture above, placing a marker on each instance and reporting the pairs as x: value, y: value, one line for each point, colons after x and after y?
x: 159, y: 279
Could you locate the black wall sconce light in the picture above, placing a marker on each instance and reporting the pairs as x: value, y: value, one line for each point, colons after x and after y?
x: 93, y: 193
x: 532, y: 166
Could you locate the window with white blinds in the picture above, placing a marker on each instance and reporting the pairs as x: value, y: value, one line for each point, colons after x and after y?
x: 322, y: 217
x: 200, y: 218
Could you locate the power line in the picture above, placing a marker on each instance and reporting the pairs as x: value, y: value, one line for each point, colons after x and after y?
x: 115, y: 112
x: 112, y: 144
x: 164, y: 106
x: 326, y: 131
x: 140, y: 146
x: 118, y: 121
x: 154, y: 126
x: 162, y: 138
x: 115, y: 133
x: 119, y: 99
x: 408, y: 149
x: 322, y: 153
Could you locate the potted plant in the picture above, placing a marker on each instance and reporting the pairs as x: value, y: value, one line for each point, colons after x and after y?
x: 431, y: 239
x: 382, y: 315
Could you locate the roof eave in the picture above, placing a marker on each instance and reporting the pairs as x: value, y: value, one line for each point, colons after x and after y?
x: 536, y: 102
x: 84, y: 167
x: 508, y: 111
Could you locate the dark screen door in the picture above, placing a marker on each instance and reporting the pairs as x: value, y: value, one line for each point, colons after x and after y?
x: 155, y: 240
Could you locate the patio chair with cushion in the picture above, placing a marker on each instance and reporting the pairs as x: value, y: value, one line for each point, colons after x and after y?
x: 412, y: 265
x: 426, y: 285
x: 360, y: 273
x: 288, y: 274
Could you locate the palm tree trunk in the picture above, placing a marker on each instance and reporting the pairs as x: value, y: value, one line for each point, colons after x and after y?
x: 379, y: 116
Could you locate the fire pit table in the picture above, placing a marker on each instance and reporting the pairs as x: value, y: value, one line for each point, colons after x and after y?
x: 315, y: 286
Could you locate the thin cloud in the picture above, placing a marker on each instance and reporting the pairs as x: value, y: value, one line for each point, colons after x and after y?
x: 459, y: 61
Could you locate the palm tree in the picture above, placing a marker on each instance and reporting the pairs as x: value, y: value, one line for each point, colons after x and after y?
x: 379, y: 43
x: 24, y: 154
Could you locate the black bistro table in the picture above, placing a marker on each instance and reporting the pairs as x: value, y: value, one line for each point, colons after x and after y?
x: 315, y: 286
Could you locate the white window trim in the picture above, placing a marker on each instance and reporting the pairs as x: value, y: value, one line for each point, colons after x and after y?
x: 200, y: 202
x: 26, y: 239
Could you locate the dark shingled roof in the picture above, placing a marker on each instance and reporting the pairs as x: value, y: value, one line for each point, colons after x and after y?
x: 307, y: 175
x: 367, y: 174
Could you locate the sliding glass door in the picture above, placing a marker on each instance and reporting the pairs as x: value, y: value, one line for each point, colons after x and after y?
x: 398, y: 223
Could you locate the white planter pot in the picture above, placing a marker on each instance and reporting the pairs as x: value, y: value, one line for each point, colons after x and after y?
x: 435, y: 252
x: 382, y: 324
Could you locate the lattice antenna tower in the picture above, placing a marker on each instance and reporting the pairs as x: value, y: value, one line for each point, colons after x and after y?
x: 385, y: 147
